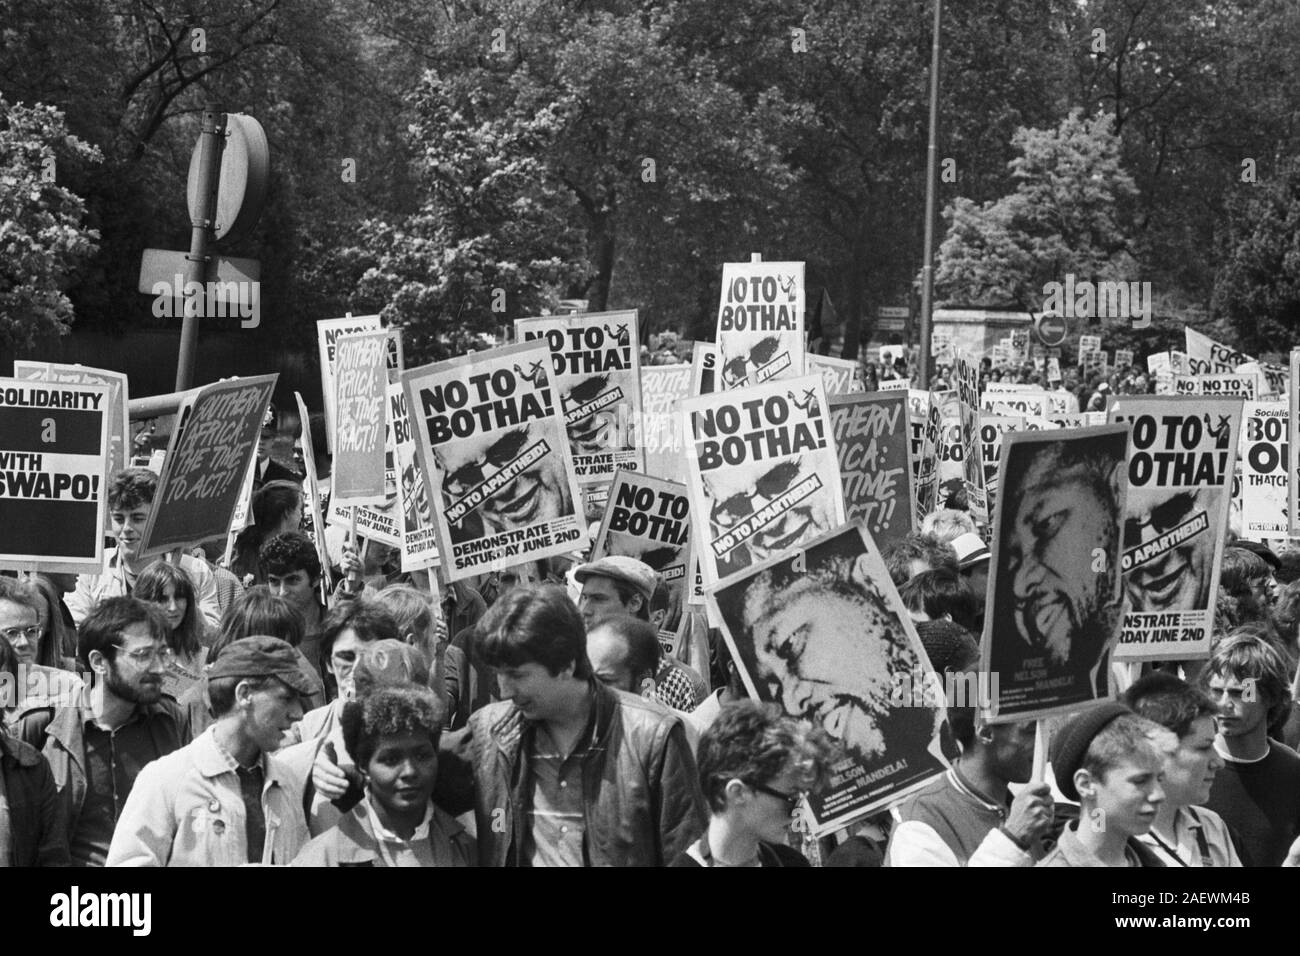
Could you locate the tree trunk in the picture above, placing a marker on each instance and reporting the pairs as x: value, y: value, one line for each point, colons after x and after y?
x: 855, y: 303
x: 602, y: 256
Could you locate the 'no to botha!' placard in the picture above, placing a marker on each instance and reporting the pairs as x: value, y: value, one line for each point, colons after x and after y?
x: 760, y: 323
x: 495, y: 451
x: 53, y: 450
x: 1182, y: 450
x: 762, y: 472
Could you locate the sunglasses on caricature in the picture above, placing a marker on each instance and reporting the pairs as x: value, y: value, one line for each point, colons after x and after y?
x: 760, y: 354
x: 771, y: 484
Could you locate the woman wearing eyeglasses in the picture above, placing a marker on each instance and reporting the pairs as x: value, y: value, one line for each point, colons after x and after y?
x: 755, y: 766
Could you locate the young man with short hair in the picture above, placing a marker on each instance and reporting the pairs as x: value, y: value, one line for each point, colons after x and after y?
x: 1185, y: 831
x: 1107, y: 758
x: 97, y: 746
x: 566, y: 771
x: 130, y: 503
x: 1258, y: 790
x: 293, y: 572
x: 225, y: 800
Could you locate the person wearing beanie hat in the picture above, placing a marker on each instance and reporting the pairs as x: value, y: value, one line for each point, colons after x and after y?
x: 1110, y: 760
x: 225, y: 800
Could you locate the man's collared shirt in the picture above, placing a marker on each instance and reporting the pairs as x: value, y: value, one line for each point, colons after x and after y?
x: 114, y: 758
x: 1070, y: 851
x: 1200, y: 839
x: 114, y: 581
x: 556, y: 815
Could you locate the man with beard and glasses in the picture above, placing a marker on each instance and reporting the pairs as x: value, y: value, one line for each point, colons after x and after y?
x: 737, y: 494
x: 97, y: 746
x: 539, y: 493
x: 1063, y: 510
x: 1177, y: 579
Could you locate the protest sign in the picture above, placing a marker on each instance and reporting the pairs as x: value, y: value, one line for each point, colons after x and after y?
x: 840, y: 376
x: 950, y: 453
x: 1272, y: 379
x: 892, y: 354
x: 53, y: 485
x: 941, y: 346
x: 649, y: 519
x: 1293, y: 440
x: 327, y: 335
x: 1077, y: 419
x: 999, y: 356
x: 823, y: 634
x: 379, y: 521
x: 760, y: 323
x: 596, y: 371
x: 416, y: 531
x: 1053, y: 369
x: 1181, y: 455
x: 992, y: 428
x: 925, y: 418
x: 119, y: 424
x: 966, y: 378
x: 762, y: 472
x: 1093, y: 362
x: 662, y: 387
x: 704, y: 367
x: 239, y: 517
x: 313, y: 523
x: 894, y: 385
x: 1055, y: 591
x: 1123, y: 358
x: 1160, y: 365
x: 493, y: 443
x: 1089, y: 343
x: 1218, y: 385
x: 1037, y: 402
x: 207, y: 460
x: 872, y: 441
x: 1264, y: 470
x: 360, y: 379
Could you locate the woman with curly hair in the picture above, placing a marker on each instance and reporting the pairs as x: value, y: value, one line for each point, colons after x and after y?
x: 755, y: 766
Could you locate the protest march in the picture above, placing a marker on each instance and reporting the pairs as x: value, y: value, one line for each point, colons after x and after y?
x: 616, y: 470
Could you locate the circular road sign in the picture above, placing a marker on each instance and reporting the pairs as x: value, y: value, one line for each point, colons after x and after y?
x: 245, y: 165
x: 1051, y: 330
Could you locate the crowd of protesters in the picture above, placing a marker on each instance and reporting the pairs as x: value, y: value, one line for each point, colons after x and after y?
x: 179, y: 712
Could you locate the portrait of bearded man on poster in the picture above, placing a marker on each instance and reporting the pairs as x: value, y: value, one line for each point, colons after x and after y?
x: 1057, y: 597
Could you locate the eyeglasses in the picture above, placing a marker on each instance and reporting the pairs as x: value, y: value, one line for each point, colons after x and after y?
x: 772, y: 484
x: 763, y: 352
x: 32, y: 633
x: 791, y: 799
x: 147, y: 655
x: 502, y: 453
x: 1164, y: 517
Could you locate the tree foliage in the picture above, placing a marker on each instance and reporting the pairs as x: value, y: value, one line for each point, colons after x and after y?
x: 43, y: 237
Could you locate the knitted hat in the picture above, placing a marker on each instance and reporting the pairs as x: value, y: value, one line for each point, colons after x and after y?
x: 949, y: 646
x: 1070, y: 743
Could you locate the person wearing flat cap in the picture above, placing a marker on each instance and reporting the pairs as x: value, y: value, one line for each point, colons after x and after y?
x: 225, y: 799
x: 617, y: 585
x: 1110, y: 760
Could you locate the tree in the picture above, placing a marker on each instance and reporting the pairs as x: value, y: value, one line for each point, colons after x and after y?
x: 1257, y: 289
x: 1065, y: 216
x: 43, y: 239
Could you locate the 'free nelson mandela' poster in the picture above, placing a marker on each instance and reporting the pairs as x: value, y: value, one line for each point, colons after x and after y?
x: 823, y: 633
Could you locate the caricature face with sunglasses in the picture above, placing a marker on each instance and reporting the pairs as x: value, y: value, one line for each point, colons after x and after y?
x: 741, y: 493
x: 1179, y: 579
x: 741, y: 367
x: 536, y: 494
x: 595, y: 432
